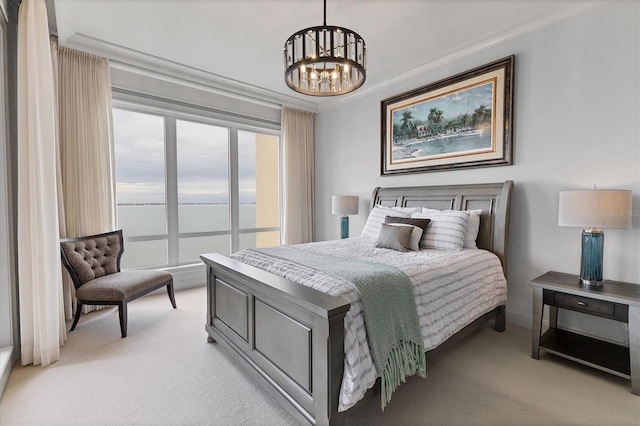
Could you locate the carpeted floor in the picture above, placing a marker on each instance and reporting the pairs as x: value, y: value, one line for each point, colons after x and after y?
x: 165, y: 372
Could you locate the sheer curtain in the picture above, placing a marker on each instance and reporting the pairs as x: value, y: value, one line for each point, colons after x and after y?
x: 65, y: 173
x: 298, y: 174
x: 42, y: 326
x: 86, y: 150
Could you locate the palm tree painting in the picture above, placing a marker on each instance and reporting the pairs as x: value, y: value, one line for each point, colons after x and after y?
x: 407, y: 125
x: 459, y: 122
x: 452, y: 123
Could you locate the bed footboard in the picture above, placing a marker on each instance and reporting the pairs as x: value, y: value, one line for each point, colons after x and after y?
x: 291, y: 336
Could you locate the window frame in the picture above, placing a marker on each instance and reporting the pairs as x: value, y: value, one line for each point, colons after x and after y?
x: 171, y: 112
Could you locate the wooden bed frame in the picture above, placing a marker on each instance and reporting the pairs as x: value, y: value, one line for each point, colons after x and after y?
x: 292, y: 337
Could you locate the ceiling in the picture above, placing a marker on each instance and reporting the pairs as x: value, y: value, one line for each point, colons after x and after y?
x: 238, y: 44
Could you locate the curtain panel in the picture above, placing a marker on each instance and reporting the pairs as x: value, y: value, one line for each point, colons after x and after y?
x: 42, y: 325
x: 65, y: 174
x: 298, y: 173
x: 86, y: 151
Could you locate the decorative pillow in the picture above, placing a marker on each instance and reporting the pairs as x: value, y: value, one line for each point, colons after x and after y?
x: 416, y: 234
x: 446, y: 230
x: 420, y: 223
x: 395, y: 237
x: 473, y: 227
x: 376, y: 219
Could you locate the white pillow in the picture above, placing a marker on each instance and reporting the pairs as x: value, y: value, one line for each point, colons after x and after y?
x: 446, y: 230
x: 416, y: 235
x: 473, y: 227
x: 376, y: 219
x: 409, y: 210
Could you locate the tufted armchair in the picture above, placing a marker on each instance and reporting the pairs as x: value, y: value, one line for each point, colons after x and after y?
x: 94, y: 265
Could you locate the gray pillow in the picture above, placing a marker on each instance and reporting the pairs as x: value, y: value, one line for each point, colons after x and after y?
x: 395, y: 237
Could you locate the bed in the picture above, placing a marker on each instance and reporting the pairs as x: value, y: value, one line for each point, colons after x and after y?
x: 292, y: 337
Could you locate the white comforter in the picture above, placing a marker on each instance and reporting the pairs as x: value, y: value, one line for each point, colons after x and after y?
x: 452, y: 289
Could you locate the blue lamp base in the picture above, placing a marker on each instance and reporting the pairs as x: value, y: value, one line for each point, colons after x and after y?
x: 592, y: 255
x: 344, y: 227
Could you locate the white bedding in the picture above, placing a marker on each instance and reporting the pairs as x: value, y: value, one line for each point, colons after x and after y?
x: 452, y: 289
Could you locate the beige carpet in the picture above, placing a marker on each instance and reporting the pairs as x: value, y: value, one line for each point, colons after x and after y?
x: 165, y: 372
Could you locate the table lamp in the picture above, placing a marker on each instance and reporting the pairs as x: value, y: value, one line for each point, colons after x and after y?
x: 594, y: 210
x: 344, y: 205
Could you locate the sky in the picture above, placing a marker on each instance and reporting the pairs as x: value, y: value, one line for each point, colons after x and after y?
x: 202, y: 160
x: 452, y: 105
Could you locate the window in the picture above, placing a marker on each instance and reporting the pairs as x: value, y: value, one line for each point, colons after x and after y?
x: 140, y: 186
x: 203, y: 189
x: 186, y: 187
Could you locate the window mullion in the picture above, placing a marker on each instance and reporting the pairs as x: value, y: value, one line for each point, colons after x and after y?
x: 234, y: 197
x: 171, y: 179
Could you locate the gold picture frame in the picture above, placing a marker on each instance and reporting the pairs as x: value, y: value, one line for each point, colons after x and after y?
x: 460, y: 122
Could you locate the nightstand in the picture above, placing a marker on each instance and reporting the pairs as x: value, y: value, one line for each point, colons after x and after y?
x: 615, y: 300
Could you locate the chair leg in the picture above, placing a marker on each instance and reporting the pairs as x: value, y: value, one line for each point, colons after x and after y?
x: 77, y: 316
x: 171, y: 295
x: 122, y: 311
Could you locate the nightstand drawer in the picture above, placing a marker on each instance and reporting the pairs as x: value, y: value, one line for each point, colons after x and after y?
x: 580, y: 303
x: 587, y: 305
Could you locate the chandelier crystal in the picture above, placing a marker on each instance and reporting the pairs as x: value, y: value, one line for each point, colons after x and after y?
x: 325, y: 60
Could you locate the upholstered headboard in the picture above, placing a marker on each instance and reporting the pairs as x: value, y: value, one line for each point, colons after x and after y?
x: 494, y: 199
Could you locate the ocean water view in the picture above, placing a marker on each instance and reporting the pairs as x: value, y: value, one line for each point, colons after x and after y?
x: 137, y: 220
x: 446, y: 144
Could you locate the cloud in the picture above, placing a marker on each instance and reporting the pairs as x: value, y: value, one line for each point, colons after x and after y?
x: 202, y: 155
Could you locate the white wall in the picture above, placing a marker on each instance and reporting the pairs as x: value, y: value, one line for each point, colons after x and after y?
x: 576, y: 124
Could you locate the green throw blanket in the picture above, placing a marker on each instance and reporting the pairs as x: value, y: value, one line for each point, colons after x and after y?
x: 389, y: 310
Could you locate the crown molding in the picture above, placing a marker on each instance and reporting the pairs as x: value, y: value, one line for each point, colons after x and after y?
x: 488, y: 41
x: 131, y: 60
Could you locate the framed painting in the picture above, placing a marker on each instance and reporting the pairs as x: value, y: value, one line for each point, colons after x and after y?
x: 460, y: 122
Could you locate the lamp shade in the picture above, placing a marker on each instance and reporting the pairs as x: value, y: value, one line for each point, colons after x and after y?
x: 595, y: 209
x: 344, y: 204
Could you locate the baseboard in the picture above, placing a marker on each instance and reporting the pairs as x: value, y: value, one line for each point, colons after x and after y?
x: 190, y: 276
x: 185, y: 277
x: 6, y: 365
x: 519, y: 320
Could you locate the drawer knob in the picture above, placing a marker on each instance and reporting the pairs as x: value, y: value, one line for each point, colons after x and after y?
x: 581, y: 303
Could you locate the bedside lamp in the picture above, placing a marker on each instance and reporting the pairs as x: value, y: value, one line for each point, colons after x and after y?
x: 592, y: 211
x: 344, y: 205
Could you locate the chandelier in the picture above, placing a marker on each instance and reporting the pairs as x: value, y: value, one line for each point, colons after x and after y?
x: 325, y: 60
